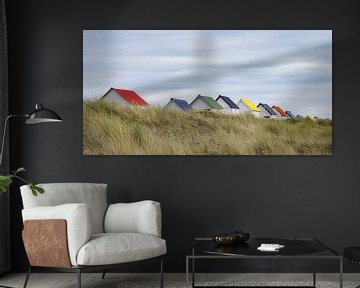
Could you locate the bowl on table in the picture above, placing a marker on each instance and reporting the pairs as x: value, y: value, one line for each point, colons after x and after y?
x: 231, y: 238
x: 225, y: 239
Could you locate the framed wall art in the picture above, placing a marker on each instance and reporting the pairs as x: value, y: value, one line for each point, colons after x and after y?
x: 207, y: 92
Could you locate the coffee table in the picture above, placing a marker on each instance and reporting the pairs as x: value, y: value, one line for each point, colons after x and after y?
x: 295, y: 248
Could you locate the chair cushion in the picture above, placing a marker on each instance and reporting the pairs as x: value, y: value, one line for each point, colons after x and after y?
x: 114, y: 248
x: 92, y: 194
x: 137, y: 217
x: 352, y: 253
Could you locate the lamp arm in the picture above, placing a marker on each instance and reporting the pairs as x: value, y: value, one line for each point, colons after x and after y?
x: 4, y: 133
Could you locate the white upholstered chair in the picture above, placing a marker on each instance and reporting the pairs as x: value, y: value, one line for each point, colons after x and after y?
x: 72, y: 228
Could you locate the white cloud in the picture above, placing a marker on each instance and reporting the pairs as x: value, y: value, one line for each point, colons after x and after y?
x: 291, y: 68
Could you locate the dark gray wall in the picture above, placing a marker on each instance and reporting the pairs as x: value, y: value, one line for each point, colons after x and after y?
x: 4, y: 166
x: 279, y: 196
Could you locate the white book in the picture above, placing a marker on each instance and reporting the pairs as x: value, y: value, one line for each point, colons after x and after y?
x: 270, y: 247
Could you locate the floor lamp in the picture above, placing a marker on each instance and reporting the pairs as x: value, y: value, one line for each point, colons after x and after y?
x: 39, y: 115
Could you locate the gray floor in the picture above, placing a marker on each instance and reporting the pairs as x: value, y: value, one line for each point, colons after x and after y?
x: 121, y: 280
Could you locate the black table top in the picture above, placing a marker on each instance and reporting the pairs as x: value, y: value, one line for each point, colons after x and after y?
x: 203, y: 246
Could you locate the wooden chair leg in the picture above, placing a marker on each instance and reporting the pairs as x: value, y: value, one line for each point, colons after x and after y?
x: 79, y: 278
x: 27, y: 277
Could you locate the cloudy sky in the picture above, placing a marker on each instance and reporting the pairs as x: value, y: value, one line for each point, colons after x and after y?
x: 290, y: 68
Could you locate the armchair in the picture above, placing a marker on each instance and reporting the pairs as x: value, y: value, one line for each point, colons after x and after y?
x: 71, y: 228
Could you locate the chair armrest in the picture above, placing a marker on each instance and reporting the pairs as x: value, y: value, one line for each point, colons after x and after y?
x: 78, y: 223
x: 138, y: 217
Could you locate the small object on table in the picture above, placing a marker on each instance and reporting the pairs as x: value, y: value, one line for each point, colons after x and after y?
x: 242, y: 236
x: 270, y: 247
x: 224, y: 239
x: 231, y: 238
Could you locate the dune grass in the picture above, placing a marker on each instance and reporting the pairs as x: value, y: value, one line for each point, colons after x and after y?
x: 111, y: 129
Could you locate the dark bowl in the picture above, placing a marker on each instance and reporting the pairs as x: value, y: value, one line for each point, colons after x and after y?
x: 225, y: 239
x: 241, y: 236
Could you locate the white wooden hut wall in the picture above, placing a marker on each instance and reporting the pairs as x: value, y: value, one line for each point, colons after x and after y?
x: 113, y: 96
x: 172, y: 105
x: 243, y: 108
x: 226, y: 108
x: 200, y: 104
x: 264, y: 112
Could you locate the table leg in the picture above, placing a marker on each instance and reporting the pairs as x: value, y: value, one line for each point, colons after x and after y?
x: 314, y: 271
x: 193, y: 267
x: 187, y: 272
x: 193, y: 272
x: 341, y: 273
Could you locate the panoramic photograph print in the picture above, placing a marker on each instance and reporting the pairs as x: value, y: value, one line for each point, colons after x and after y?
x: 207, y: 92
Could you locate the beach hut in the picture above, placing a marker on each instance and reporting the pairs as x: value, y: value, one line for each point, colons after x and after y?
x: 299, y: 117
x: 266, y: 111
x: 178, y: 104
x: 228, y: 105
x: 279, y: 111
x: 205, y: 103
x: 124, y: 97
x: 290, y: 114
x: 246, y: 106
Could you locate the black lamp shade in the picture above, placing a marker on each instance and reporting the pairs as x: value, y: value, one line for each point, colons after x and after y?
x: 42, y: 115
